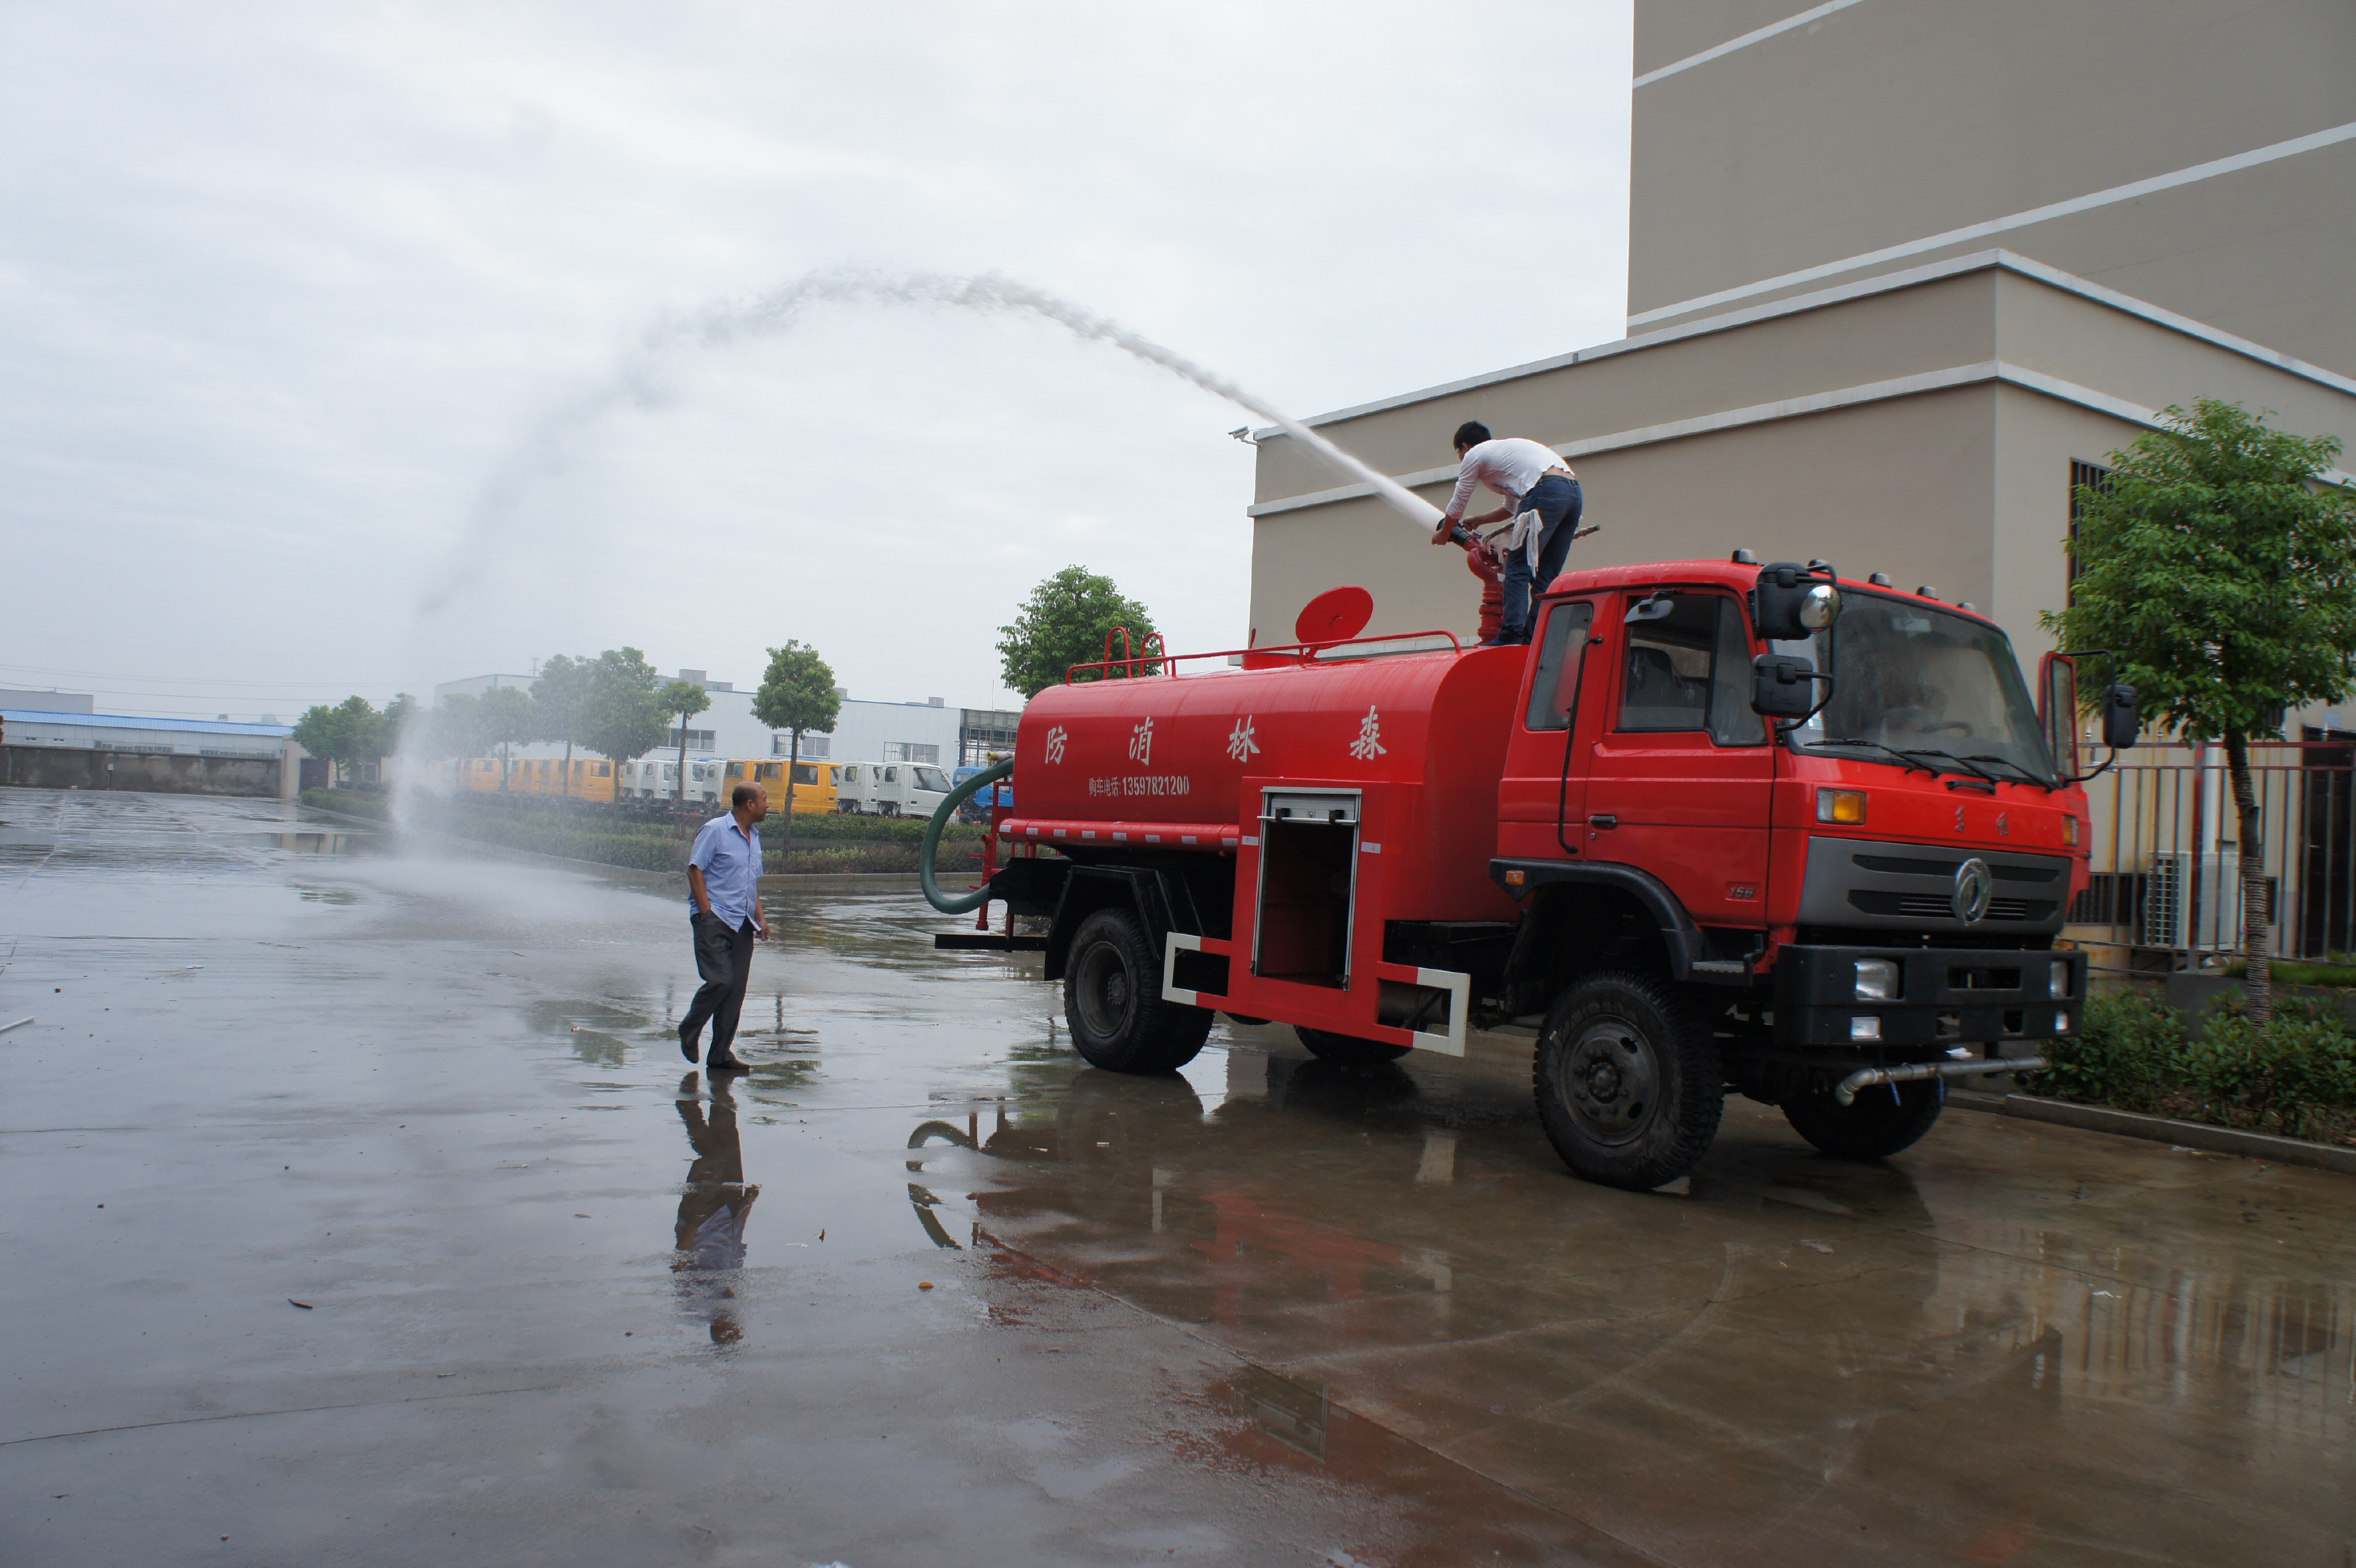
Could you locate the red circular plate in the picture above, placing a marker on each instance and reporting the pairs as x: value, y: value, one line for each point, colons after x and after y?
x: 1334, y: 615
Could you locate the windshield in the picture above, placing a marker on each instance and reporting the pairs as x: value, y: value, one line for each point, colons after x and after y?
x: 1941, y: 688
x: 932, y: 779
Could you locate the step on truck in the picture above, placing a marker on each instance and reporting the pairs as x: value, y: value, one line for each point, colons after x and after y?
x: 1719, y: 829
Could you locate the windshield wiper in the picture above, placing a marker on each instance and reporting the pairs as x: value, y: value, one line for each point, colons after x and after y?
x: 2026, y: 776
x: 1964, y: 763
x: 1904, y: 759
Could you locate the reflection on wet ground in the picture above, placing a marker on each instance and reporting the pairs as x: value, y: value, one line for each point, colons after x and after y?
x: 1269, y: 1310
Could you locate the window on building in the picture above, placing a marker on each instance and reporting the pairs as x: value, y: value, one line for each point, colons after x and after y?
x: 697, y: 739
x: 2083, y: 477
x: 910, y: 751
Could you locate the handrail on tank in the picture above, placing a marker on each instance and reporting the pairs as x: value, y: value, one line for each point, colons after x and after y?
x: 1301, y: 652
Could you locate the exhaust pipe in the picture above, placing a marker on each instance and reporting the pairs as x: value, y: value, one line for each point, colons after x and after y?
x: 1845, y: 1092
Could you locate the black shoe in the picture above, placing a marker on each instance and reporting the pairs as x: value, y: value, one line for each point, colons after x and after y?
x: 686, y: 1045
x: 726, y: 1061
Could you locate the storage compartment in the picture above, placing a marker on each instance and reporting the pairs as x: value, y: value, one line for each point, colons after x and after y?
x: 1308, y: 886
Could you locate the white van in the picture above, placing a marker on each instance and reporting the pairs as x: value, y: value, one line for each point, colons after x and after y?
x: 889, y: 788
x: 657, y: 778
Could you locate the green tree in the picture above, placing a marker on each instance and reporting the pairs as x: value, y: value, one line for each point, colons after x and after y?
x: 507, y: 721
x: 1065, y: 622
x: 454, y: 729
x: 559, y: 699
x: 350, y: 731
x: 797, y: 695
x: 2222, y: 576
x: 622, y: 717
x: 687, y: 699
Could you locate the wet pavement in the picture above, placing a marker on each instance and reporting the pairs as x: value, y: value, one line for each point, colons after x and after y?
x: 566, y: 1302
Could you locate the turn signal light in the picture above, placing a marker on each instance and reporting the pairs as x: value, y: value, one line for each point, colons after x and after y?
x: 2070, y: 833
x: 1845, y: 806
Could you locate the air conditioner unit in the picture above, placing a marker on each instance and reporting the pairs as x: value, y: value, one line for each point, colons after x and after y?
x: 2173, y: 918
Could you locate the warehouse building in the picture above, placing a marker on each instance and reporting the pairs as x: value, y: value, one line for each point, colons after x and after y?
x: 75, y: 748
x: 1901, y: 272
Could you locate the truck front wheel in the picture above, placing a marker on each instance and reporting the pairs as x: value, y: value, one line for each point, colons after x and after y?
x: 1627, y: 1081
x: 1883, y: 1119
x: 1112, y: 1000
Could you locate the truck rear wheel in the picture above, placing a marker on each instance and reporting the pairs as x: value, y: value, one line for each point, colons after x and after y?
x: 1877, y: 1123
x: 1627, y: 1081
x: 1112, y: 1000
x: 1348, y: 1049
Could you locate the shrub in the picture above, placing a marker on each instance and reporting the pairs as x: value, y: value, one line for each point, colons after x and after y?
x: 2296, y: 1075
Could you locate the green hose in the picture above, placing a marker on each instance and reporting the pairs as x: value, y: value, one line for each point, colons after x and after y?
x: 963, y: 902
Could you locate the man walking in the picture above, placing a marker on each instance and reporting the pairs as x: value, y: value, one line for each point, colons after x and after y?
x: 723, y: 884
x: 1543, y: 500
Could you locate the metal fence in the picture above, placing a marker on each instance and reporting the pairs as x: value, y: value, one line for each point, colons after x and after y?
x: 2167, y: 852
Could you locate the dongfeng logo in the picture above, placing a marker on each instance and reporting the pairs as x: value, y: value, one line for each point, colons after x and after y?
x: 1972, y: 885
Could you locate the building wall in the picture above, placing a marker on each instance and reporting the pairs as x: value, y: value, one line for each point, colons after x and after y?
x: 50, y: 702
x: 1917, y: 424
x: 1884, y: 124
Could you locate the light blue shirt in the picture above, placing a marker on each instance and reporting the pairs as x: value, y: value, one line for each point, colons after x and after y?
x: 729, y: 859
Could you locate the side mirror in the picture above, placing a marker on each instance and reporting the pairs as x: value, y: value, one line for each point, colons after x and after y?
x: 1793, y: 603
x: 1783, y: 686
x: 2122, y: 720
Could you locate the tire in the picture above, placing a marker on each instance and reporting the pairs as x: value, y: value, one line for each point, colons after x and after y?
x: 1874, y: 1125
x: 1348, y: 1050
x: 1628, y: 1082
x: 890, y: 808
x: 1112, y: 1000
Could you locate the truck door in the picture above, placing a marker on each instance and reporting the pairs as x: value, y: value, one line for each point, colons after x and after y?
x: 1542, y: 786
x: 1681, y: 776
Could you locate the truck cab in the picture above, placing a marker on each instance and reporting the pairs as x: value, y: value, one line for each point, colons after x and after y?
x: 1721, y: 827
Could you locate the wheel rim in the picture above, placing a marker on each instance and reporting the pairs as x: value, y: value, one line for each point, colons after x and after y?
x: 1104, y: 990
x: 1610, y: 1080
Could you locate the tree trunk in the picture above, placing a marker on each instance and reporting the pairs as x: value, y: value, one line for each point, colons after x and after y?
x: 2257, y: 932
x: 568, y: 767
x: 682, y: 759
x: 793, y: 761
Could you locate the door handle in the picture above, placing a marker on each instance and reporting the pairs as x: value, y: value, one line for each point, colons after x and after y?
x: 1604, y: 820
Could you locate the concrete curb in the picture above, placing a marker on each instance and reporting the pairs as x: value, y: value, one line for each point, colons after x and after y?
x: 2162, y: 1130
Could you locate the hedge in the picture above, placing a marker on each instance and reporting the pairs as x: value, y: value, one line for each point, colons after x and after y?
x: 2295, y: 1076
x: 576, y: 832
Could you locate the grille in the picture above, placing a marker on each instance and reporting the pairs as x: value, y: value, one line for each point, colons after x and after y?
x: 1934, y: 907
x: 1903, y: 866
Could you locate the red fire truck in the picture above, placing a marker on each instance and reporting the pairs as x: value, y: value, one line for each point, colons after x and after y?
x: 1724, y: 827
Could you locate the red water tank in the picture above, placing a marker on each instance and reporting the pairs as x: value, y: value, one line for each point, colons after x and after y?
x: 1185, y: 762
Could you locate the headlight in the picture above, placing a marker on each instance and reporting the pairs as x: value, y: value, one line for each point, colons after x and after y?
x: 1843, y: 806
x: 1877, y: 980
x: 2060, y: 989
x: 1862, y: 1030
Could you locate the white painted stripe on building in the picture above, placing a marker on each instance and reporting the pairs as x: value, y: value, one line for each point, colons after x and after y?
x: 2312, y: 142
x: 1787, y: 408
x: 1881, y: 283
x: 1732, y: 45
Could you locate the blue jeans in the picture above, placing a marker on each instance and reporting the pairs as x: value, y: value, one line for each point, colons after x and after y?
x: 1557, y: 503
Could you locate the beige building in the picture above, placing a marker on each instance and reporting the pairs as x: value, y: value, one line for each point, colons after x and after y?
x: 1895, y: 267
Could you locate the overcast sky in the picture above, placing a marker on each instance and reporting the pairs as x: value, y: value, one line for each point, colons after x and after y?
x: 285, y: 290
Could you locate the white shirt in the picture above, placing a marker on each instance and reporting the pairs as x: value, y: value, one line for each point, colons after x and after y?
x: 1509, y: 466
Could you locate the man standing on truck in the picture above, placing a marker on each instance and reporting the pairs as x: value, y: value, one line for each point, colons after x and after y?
x: 1543, y: 500
x: 723, y: 911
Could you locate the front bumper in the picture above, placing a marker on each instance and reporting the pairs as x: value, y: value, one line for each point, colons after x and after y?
x: 1946, y: 996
